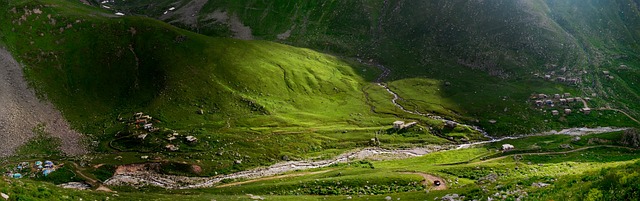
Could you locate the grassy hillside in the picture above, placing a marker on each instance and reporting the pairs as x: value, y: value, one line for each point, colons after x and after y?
x: 254, y: 101
x: 98, y: 64
x: 486, y: 50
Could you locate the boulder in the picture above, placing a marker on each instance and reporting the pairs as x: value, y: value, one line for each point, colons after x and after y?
x: 191, y: 139
x: 255, y: 197
x: 540, y: 185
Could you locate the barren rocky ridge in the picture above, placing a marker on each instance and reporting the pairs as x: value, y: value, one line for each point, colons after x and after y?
x: 21, y: 111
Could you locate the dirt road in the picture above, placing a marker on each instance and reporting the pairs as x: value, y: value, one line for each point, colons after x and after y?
x: 21, y: 111
x: 550, y: 153
x: 623, y: 112
x: 429, y: 180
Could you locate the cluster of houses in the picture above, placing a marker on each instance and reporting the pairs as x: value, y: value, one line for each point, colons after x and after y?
x: 144, y: 121
x: 544, y: 100
x: 561, y: 76
x: 561, y: 79
x: 608, y: 75
x: 402, y: 125
x: 174, y: 136
x: 45, y: 168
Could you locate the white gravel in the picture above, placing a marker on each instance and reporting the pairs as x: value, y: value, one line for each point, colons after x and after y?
x: 142, y: 176
x: 21, y: 112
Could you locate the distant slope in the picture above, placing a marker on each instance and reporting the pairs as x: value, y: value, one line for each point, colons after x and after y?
x: 487, y: 50
x: 504, y: 38
x: 96, y: 67
x: 499, y: 37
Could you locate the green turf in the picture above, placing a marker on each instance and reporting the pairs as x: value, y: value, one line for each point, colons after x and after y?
x: 235, y: 96
x: 264, y: 101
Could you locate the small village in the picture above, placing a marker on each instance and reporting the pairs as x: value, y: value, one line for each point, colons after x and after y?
x: 570, y: 77
x: 562, y: 75
x: 561, y: 103
x: 26, y: 169
x: 142, y: 126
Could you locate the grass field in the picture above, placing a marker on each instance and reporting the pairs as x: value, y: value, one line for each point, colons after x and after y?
x: 308, y: 96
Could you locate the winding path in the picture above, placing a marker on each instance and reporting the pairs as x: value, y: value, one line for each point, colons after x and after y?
x: 548, y: 153
x: 380, y: 82
x: 623, y: 112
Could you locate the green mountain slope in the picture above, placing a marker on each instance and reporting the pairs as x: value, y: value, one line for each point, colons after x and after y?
x: 255, y: 101
x: 487, y: 50
x: 96, y: 65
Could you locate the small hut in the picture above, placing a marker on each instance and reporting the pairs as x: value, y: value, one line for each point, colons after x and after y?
x: 549, y: 102
x: 539, y: 103
x: 567, y: 111
x: 398, y: 124
x: 191, y: 139
x: 507, y: 147
x: 555, y: 112
x: 542, y: 96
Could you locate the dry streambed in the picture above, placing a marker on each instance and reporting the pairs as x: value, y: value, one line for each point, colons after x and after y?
x: 146, y: 174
